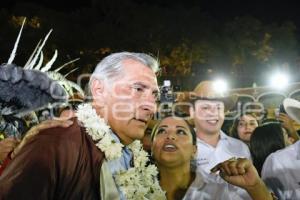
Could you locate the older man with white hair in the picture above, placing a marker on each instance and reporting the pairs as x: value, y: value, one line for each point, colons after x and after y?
x: 97, y: 157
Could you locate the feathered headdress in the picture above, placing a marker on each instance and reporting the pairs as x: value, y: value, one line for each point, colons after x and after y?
x: 34, y: 86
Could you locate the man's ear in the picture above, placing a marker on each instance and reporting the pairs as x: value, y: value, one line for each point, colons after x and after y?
x: 97, y: 88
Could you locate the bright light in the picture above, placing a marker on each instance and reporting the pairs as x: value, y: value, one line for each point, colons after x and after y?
x: 167, y: 83
x: 279, y: 80
x: 220, y: 86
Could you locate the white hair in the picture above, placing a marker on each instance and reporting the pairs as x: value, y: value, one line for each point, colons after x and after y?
x: 111, y: 66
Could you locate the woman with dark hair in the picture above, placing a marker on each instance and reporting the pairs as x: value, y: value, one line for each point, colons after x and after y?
x: 174, y: 147
x: 265, y: 140
x: 243, y: 127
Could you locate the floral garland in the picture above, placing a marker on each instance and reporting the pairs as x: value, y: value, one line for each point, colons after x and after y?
x: 97, y: 128
x: 138, y: 182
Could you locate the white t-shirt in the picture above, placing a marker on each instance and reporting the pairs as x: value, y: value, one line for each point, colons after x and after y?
x: 281, y: 172
x: 211, y: 187
x: 227, y: 147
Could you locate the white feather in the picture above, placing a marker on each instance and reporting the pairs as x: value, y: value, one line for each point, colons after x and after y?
x: 73, y: 70
x: 32, y: 63
x: 31, y: 56
x: 68, y: 85
x: 13, y: 53
x: 38, y: 66
x: 76, y: 87
x: 50, y: 63
x: 62, y: 66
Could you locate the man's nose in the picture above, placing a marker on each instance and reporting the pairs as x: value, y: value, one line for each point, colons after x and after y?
x: 149, y: 103
x: 151, y: 98
x: 149, y: 107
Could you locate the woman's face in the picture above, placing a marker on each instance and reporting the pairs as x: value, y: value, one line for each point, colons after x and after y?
x: 173, y: 144
x: 246, y: 126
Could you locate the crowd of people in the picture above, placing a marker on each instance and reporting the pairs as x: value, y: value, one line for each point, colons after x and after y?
x: 108, y: 144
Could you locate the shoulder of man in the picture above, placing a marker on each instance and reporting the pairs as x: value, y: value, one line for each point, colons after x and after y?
x: 61, y: 131
x: 280, y: 159
x: 277, y: 173
x: 238, y: 147
x: 73, y: 134
x: 52, y: 152
x: 236, y: 142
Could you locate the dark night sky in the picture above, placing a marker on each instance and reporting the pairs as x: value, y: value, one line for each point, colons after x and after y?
x: 220, y: 10
x: 267, y: 11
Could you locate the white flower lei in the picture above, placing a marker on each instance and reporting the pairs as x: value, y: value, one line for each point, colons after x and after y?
x: 97, y: 128
x: 138, y: 182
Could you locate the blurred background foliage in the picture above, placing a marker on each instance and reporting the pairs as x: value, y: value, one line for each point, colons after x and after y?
x: 191, y: 45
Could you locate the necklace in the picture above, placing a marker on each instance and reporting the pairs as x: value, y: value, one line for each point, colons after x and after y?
x: 138, y: 182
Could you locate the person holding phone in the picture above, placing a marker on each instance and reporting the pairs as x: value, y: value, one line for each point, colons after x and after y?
x: 287, y: 124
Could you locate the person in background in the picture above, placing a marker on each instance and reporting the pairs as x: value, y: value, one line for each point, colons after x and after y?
x: 214, y: 146
x: 208, y: 109
x: 281, y: 170
x: 174, y: 148
x: 265, y: 140
x: 288, y: 125
x: 243, y: 127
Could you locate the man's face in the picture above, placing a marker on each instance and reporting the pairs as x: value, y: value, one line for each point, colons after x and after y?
x: 208, y: 116
x: 130, y: 101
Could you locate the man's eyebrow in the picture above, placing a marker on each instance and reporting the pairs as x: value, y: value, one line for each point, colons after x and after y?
x: 141, y: 84
x: 155, y: 90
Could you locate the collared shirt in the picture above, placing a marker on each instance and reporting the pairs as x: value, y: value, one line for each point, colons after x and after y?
x: 281, y: 172
x: 120, y: 164
x: 227, y: 147
x: 211, y: 187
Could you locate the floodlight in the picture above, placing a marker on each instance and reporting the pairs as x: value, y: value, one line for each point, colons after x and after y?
x: 279, y: 80
x: 220, y: 86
